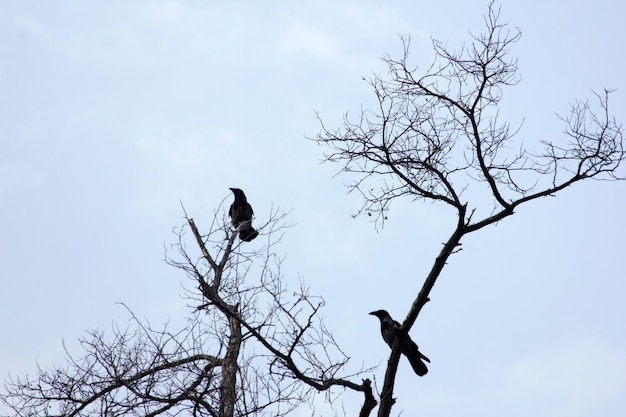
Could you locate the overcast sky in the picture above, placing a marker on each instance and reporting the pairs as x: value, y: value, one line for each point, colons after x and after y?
x: 113, y: 112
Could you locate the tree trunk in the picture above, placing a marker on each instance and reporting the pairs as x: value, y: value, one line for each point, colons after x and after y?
x: 230, y: 368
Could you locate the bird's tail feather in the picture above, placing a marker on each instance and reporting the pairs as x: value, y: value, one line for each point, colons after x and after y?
x: 248, y: 233
x: 411, y: 351
x: 418, y: 366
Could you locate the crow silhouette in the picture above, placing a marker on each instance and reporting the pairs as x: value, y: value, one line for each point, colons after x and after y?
x: 389, y: 328
x: 241, y: 216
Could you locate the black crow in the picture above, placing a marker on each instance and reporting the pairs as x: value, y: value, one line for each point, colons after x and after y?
x: 389, y: 328
x: 241, y: 216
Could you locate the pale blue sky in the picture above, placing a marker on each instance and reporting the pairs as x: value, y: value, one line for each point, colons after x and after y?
x: 112, y: 112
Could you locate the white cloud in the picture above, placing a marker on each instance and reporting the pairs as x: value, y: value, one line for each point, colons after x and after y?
x: 577, y: 379
x: 170, y: 164
x: 301, y: 38
x: 33, y: 27
x: 164, y: 11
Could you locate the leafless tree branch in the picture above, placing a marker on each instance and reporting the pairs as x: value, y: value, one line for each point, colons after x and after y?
x: 436, y: 135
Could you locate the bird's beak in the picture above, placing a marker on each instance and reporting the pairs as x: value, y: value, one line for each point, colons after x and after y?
x: 373, y: 313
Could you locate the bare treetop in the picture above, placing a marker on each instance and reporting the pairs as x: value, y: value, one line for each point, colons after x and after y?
x: 437, y: 135
x: 250, y: 347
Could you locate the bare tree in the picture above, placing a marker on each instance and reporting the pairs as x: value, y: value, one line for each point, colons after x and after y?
x: 251, y: 346
x: 436, y: 136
